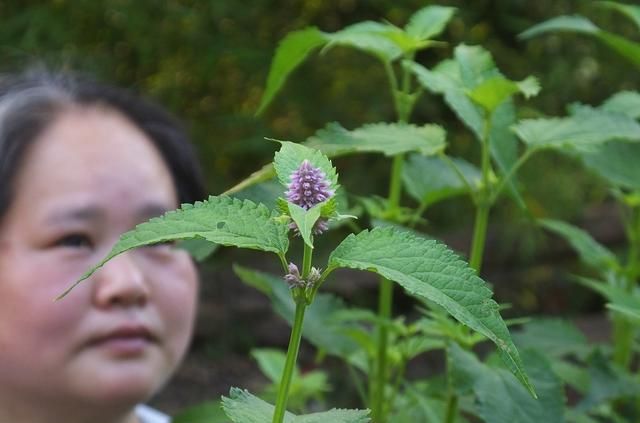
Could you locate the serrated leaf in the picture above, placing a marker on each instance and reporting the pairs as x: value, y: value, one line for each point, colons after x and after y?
x: 389, y: 139
x: 266, y: 192
x: 429, y: 270
x: 198, y: 248
x: 632, y: 12
x: 616, y: 162
x: 429, y: 21
x: 582, y: 132
x: 243, y: 407
x: 501, y: 398
x: 624, y: 102
x: 492, y: 92
x: 320, y: 326
x: 305, y: 219
x: 591, y: 251
x: 222, y: 220
x: 291, y: 155
x: 292, y: 51
x: 430, y: 179
x: 370, y: 37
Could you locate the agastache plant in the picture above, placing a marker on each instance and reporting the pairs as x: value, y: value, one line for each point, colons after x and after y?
x: 425, y: 268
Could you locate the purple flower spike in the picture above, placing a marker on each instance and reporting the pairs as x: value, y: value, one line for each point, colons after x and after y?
x: 309, y: 186
x: 293, y: 278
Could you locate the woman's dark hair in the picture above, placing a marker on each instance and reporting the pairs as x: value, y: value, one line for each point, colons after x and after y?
x: 31, y: 101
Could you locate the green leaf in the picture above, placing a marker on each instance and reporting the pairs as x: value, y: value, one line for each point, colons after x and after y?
x: 591, y: 252
x: 583, y: 131
x: 389, y: 139
x: 266, y: 192
x: 553, y: 337
x: 621, y: 300
x: 476, y: 65
x: 626, y: 48
x: 430, y: 179
x: 292, y: 51
x: 221, y: 220
x: 501, y: 398
x: 632, y: 12
x: 207, y: 412
x: 290, y: 156
x: 429, y: 21
x: 305, y: 219
x: 321, y: 327
x: 492, y: 92
x: 429, y: 270
x: 243, y: 407
x: 198, y: 248
x: 608, y: 382
x: 370, y: 37
x: 624, y: 102
x: 561, y: 23
x: 271, y: 363
x: 266, y: 173
x: 445, y: 79
x: 616, y: 162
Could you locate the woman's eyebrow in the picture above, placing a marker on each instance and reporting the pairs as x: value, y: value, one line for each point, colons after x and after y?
x: 90, y: 213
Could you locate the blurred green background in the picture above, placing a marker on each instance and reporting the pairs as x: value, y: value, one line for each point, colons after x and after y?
x: 208, y: 61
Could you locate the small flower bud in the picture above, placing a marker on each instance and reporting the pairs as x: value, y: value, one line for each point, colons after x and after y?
x: 314, y: 277
x: 293, y: 278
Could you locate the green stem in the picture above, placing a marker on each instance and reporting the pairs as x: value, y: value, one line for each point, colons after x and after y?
x: 479, y: 237
x: 290, y: 363
x: 385, y: 301
x: 306, y: 261
x: 452, y: 409
x: 395, y: 186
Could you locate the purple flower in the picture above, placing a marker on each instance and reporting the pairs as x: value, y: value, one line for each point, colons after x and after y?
x: 309, y: 186
x: 293, y: 278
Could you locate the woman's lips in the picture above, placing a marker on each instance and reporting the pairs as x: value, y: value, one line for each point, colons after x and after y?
x: 125, y: 341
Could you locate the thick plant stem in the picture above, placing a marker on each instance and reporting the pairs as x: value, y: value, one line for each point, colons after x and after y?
x: 290, y: 363
x: 452, y: 409
x: 385, y: 301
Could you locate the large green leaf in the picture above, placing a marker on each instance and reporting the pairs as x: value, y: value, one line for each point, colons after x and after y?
x: 620, y: 300
x: 501, y: 398
x: 431, y: 179
x: 221, y: 220
x: 616, y: 162
x: 429, y: 270
x: 389, y: 139
x: 582, y: 131
x: 291, y: 155
x: 476, y: 65
x: 243, y: 407
x: 494, y: 91
x: 429, y: 21
x: 624, y: 102
x: 591, y: 251
x: 292, y: 51
x: 321, y: 327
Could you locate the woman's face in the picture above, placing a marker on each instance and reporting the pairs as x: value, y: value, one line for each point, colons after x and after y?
x: 115, y: 339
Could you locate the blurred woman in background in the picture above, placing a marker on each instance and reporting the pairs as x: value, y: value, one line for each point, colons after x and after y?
x: 81, y: 163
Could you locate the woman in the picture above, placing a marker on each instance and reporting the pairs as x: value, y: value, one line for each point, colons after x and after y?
x: 81, y: 163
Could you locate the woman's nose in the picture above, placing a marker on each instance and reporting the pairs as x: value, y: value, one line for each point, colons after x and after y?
x: 120, y: 282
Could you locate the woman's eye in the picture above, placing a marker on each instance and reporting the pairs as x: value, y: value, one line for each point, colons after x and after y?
x: 74, y: 241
